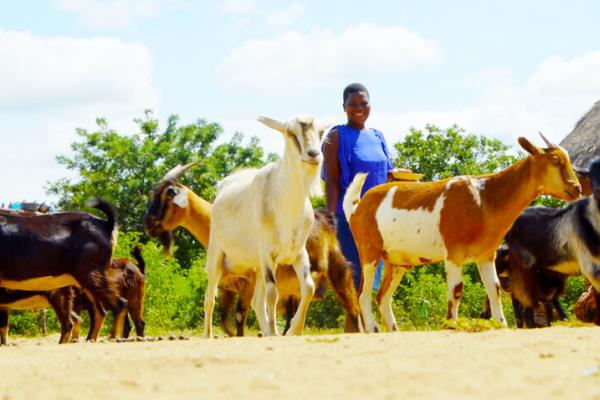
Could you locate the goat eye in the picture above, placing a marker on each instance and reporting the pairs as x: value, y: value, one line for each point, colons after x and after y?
x: 171, y: 192
x: 556, y: 160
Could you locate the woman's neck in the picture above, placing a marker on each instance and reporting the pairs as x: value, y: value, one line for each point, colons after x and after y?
x: 355, y: 126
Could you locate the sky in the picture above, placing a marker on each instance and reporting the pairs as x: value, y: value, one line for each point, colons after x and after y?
x: 501, y: 69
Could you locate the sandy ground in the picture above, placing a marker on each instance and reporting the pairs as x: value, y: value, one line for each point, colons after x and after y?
x: 551, y: 363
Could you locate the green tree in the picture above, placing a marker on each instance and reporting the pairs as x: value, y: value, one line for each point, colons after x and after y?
x: 442, y: 153
x: 124, y: 169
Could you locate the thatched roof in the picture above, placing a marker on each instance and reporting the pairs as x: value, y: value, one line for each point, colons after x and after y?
x: 583, y: 143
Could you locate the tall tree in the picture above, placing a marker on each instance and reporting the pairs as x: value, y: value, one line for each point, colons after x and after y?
x: 123, y: 169
x: 441, y: 153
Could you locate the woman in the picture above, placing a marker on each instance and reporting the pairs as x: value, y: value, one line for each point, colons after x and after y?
x: 347, y: 150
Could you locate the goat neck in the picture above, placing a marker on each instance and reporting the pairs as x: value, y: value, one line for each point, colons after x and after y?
x: 508, y: 192
x: 292, y: 175
x: 197, y: 218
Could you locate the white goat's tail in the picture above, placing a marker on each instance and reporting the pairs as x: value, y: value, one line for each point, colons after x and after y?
x: 353, y: 194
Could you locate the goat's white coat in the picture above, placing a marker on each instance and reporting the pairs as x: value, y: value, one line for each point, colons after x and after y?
x: 424, y: 242
x: 261, y: 218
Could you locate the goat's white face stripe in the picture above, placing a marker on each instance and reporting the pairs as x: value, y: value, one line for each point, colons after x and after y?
x: 181, y: 198
x: 410, y: 235
x: 42, y: 283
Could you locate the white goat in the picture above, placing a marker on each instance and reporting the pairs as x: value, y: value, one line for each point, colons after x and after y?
x: 261, y: 219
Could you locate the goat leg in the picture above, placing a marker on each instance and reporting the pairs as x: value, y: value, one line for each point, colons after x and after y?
x: 562, y: 314
x: 528, y: 317
x: 518, y: 311
x: 548, y: 307
x: 3, y: 327
x: 227, y: 299
x: 291, y: 306
x: 339, y: 273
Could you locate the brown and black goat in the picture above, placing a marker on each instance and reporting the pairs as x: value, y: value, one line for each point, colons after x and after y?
x: 129, y: 280
x: 514, y: 278
x: 557, y: 243
x: 61, y: 300
x: 51, y: 251
x: 174, y: 205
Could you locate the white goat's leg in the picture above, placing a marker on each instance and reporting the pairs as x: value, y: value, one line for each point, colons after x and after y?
x: 214, y: 261
x: 307, y: 291
x: 260, y: 301
x: 272, y: 295
x: 368, y: 273
x: 455, y: 288
x: 487, y: 272
x: 385, y: 305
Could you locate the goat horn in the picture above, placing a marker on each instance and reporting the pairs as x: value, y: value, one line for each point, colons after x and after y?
x: 546, y: 140
x: 178, y: 171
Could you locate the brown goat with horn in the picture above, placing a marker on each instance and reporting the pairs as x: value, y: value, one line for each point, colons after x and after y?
x: 174, y: 205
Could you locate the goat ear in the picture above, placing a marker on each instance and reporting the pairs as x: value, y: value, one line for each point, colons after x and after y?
x: 271, y: 123
x: 324, y: 125
x: 181, y: 199
x: 530, y: 147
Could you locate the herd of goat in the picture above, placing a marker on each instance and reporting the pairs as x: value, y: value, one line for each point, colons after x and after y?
x: 267, y: 247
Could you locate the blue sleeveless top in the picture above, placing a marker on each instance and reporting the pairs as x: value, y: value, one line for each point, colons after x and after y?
x: 361, y: 151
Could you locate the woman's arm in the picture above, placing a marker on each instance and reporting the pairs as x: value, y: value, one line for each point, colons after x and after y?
x: 331, y: 163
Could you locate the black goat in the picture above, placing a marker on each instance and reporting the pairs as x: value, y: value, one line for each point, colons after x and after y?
x: 546, y: 245
x: 47, y: 252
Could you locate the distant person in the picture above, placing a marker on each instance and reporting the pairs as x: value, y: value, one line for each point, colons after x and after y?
x: 347, y: 150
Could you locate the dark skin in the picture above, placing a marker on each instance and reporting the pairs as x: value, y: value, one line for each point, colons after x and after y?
x: 357, y: 108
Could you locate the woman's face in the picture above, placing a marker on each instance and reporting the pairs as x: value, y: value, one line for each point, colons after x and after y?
x: 358, y: 108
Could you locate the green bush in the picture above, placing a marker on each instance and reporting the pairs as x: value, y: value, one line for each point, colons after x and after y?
x: 175, y: 297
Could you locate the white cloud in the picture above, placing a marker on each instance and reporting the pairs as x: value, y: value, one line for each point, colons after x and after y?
x: 273, y: 18
x: 41, y: 73
x: 50, y: 86
x: 551, y: 100
x: 296, y: 60
x: 284, y: 17
x: 111, y: 14
x: 239, y: 6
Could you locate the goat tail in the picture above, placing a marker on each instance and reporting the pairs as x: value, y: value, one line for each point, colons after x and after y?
x: 111, y: 216
x: 352, y: 196
x: 136, y: 253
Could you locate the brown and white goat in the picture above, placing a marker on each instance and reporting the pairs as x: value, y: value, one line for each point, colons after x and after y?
x: 455, y: 220
x: 47, y: 252
x: 174, y: 205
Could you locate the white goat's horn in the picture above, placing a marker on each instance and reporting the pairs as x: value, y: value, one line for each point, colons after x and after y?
x: 178, y: 171
x: 546, y: 140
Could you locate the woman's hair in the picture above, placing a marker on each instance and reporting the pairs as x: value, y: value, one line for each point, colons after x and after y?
x: 354, y: 88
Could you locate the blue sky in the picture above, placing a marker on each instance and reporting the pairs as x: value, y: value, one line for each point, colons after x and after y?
x: 502, y: 69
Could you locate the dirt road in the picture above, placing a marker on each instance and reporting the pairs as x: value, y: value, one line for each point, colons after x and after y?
x: 551, y: 363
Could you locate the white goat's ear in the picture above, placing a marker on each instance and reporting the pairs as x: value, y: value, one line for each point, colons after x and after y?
x: 324, y: 125
x: 271, y: 123
x: 181, y: 199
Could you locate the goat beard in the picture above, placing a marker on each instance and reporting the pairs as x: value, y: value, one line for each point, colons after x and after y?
x: 166, y: 238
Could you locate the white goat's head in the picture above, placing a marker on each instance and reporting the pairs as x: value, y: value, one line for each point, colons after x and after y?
x: 303, y: 137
